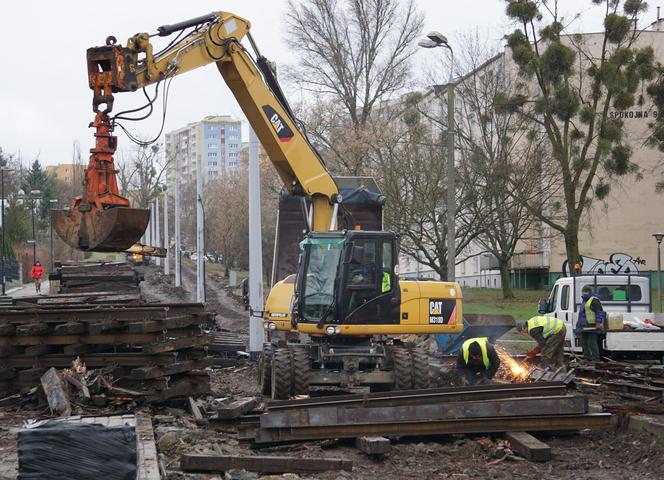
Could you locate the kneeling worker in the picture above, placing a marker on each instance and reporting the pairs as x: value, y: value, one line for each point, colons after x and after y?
x: 477, y: 358
x: 549, y: 333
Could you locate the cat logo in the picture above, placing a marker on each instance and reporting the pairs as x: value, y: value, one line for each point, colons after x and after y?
x: 277, y: 123
x: 280, y: 126
x: 439, y: 311
x: 435, y: 307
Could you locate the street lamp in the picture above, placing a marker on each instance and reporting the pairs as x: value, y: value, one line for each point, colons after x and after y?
x: 659, y: 237
x: 2, y: 219
x: 436, y: 39
x: 34, y: 195
x: 54, y: 204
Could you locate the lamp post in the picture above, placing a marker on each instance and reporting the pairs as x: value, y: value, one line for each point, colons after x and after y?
x: 659, y: 237
x: 436, y: 39
x: 34, y: 195
x: 53, y: 203
x: 2, y: 207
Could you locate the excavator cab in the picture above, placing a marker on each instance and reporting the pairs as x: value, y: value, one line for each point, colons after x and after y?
x: 348, y: 278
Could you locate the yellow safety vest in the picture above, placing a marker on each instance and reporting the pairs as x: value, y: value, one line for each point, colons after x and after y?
x: 482, y: 343
x: 386, y: 284
x: 590, y: 314
x: 551, y: 325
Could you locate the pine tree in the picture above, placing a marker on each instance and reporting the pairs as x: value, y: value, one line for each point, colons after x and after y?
x: 37, y: 179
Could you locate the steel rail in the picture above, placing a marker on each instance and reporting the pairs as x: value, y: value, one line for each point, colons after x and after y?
x: 477, y: 392
x: 345, y: 415
x: 446, y: 427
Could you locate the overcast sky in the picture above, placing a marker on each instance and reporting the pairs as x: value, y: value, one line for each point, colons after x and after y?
x: 45, y: 102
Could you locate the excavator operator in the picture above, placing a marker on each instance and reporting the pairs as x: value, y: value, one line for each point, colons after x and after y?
x: 362, y: 275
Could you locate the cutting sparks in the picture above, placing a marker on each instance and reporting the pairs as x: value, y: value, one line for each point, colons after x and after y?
x: 516, y: 368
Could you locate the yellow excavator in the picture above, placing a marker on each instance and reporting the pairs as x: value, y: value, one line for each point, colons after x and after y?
x: 346, y: 301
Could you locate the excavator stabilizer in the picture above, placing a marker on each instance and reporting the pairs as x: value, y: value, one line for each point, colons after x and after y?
x: 111, y: 230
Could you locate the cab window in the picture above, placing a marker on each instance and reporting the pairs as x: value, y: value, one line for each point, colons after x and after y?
x: 617, y: 293
x: 361, y: 277
x: 363, y: 273
x: 564, y: 298
x: 387, y: 279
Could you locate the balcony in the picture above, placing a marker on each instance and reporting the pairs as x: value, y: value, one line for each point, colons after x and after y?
x: 531, y: 260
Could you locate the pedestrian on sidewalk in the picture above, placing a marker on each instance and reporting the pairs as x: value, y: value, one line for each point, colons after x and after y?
x: 589, y: 325
x: 549, y: 333
x: 37, y: 274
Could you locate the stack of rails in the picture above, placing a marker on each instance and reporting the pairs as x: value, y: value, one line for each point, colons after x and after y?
x: 531, y: 407
x: 158, y: 350
x: 227, y: 347
x: 82, y: 298
x: 96, y: 277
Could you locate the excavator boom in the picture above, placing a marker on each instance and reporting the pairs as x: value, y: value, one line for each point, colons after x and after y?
x: 89, y: 223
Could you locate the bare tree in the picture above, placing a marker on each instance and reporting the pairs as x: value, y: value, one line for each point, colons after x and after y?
x: 409, y: 152
x: 495, y: 152
x: 355, y: 53
x: 227, y: 221
x: 141, y: 177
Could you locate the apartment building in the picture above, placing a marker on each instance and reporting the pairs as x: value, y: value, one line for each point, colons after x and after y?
x: 215, y: 142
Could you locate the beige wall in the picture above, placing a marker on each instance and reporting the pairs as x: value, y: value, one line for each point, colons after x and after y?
x: 68, y: 173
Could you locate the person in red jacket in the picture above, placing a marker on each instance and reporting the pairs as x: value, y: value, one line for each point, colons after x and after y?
x: 37, y: 274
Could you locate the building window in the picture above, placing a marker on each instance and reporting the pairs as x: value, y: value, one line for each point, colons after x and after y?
x: 211, y: 136
x: 232, y: 155
x: 232, y: 145
x: 212, y: 145
x: 212, y: 154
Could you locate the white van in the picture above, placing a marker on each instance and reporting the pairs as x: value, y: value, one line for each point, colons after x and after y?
x: 626, y: 300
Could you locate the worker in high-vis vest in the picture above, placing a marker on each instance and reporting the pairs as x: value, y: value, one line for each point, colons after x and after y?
x: 549, y: 333
x: 589, y: 324
x: 477, y: 360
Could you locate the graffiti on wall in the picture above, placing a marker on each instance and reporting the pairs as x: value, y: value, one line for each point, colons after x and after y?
x: 617, y: 263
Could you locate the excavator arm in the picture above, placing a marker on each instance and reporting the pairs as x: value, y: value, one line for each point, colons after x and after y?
x: 213, y: 38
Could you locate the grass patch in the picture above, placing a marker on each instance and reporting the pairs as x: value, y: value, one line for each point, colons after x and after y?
x: 487, y: 300
x: 523, y: 307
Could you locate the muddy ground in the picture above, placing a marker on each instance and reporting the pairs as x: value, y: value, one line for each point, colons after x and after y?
x: 588, y: 455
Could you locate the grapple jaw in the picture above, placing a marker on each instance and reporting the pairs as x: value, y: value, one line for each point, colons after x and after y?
x: 100, y: 230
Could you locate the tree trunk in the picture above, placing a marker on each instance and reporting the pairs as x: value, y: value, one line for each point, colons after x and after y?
x: 572, y: 246
x: 505, y: 279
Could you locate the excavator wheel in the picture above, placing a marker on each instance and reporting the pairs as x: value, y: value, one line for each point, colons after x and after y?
x: 265, y: 370
x: 403, y: 369
x: 301, y: 369
x: 282, y: 374
x: 421, y: 369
